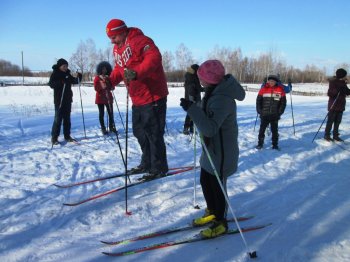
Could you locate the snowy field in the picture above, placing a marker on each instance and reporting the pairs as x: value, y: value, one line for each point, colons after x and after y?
x: 303, y: 190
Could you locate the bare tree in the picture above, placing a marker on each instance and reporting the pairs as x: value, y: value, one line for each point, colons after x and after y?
x: 79, y: 59
x: 184, y: 57
x: 108, y: 55
x: 167, y: 61
x: 85, y: 58
x: 243, y: 69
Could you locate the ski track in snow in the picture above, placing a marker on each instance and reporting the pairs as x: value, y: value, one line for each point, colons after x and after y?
x: 302, y: 189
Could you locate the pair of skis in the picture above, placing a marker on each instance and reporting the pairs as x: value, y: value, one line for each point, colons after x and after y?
x: 173, y: 171
x: 192, y: 239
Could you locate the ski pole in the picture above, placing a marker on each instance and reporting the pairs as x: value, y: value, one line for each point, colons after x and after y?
x: 251, y: 254
x: 126, y: 146
x: 256, y: 119
x: 118, y: 142
x: 326, y: 116
x: 195, y: 205
x: 291, y: 106
x: 166, y: 128
x: 121, y: 119
x: 64, y: 88
x: 82, y: 109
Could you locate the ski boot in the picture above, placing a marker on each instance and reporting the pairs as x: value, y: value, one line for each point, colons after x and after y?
x: 259, y: 146
x: 113, y: 129
x: 338, y: 139
x: 70, y: 139
x: 275, y: 147
x: 104, y: 131
x: 186, y: 131
x: 328, y: 138
x: 54, y: 140
x: 205, y: 219
x: 217, y: 229
x: 137, y: 170
x: 153, y: 175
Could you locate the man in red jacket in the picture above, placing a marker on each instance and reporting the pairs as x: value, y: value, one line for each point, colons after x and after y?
x: 138, y: 63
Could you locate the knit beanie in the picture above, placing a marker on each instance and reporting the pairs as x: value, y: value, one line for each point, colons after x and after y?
x: 273, y: 77
x: 115, y: 27
x: 60, y: 62
x: 211, y: 72
x: 195, y: 67
x: 341, y: 73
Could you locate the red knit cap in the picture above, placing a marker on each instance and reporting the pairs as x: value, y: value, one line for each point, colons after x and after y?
x: 211, y: 72
x: 115, y: 27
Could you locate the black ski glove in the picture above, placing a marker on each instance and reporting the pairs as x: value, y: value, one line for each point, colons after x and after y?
x: 185, y: 104
x: 129, y: 74
x: 289, y: 81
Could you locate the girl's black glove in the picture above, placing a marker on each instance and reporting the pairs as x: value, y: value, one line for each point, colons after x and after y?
x: 185, y: 103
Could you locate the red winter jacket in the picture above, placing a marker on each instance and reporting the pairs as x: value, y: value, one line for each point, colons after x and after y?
x: 103, y: 89
x: 140, y: 54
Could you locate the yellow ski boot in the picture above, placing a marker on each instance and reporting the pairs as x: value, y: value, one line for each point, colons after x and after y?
x: 205, y: 219
x: 217, y: 229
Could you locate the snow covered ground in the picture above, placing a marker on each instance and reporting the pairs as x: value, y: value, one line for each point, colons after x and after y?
x: 303, y: 190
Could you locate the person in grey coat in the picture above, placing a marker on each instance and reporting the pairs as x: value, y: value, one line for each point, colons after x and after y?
x: 216, y: 122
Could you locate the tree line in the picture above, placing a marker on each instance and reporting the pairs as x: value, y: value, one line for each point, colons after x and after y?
x: 9, y: 69
x: 245, y: 69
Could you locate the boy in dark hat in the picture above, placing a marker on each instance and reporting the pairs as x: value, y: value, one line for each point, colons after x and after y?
x: 61, y: 82
x: 270, y: 105
x: 337, y: 93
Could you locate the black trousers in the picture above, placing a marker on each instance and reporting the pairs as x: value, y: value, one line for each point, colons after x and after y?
x: 214, y: 197
x: 101, y: 114
x: 334, y: 119
x: 148, y: 123
x: 62, y: 114
x: 188, y: 122
x: 264, y: 122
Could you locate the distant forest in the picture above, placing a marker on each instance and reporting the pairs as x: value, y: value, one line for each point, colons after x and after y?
x: 245, y: 69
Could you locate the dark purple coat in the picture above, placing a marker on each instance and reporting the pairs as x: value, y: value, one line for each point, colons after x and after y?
x: 337, y: 86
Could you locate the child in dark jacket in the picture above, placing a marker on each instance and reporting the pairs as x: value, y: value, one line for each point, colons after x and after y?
x: 337, y: 93
x: 193, y: 91
x: 61, y: 82
x: 270, y: 105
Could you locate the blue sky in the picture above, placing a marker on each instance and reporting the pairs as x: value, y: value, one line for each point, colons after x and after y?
x: 300, y: 31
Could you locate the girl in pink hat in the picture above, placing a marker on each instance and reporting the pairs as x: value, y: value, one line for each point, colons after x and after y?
x: 216, y: 121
